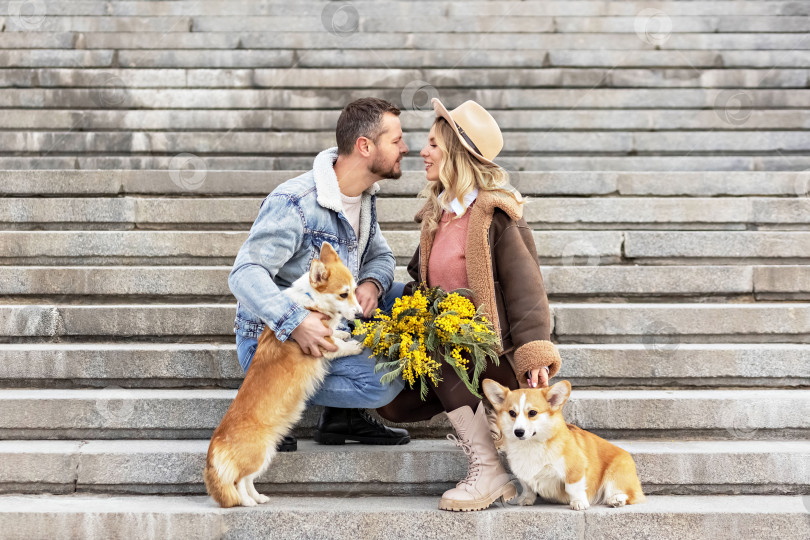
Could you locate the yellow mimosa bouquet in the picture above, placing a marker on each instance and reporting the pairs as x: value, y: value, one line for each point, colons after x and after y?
x: 425, y: 328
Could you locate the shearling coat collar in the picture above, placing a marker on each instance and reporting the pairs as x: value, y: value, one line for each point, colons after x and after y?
x: 328, y: 192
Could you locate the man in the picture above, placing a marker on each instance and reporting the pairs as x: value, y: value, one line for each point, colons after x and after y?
x: 334, y: 202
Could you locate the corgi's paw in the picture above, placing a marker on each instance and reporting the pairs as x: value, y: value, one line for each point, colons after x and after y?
x: 247, y: 501
x: 261, y: 499
x: 619, y: 499
x: 579, y: 504
x: 341, y: 334
x: 354, y: 347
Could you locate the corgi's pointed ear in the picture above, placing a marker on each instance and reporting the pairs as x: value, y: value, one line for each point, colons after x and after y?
x: 328, y: 254
x: 318, y: 273
x: 495, y: 393
x: 558, y: 394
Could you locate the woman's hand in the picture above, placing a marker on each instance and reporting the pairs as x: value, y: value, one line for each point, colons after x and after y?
x: 538, y: 376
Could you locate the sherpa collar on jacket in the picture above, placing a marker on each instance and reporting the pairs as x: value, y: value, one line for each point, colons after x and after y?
x: 328, y: 193
x: 486, y: 202
x: 326, y: 182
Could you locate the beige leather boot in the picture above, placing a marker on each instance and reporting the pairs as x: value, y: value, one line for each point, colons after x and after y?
x: 486, y: 480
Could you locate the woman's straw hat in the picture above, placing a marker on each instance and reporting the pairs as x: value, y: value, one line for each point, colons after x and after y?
x: 475, y: 128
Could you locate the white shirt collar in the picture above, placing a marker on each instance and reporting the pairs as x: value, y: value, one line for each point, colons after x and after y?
x: 456, y: 207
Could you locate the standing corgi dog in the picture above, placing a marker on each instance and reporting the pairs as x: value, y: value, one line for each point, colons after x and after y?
x: 559, y: 461
x: 277, y: 385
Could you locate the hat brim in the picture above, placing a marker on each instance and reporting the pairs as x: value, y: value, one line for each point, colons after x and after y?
x: 441, y: 111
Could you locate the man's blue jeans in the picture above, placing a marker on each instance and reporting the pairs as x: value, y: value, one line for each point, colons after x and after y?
x: 351, y: 382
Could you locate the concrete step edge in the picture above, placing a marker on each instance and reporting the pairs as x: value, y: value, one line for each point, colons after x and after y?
x: 387, y: 518
x: 775, y: 467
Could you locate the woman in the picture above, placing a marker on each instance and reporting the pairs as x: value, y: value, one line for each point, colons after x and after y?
x: 474, y: 237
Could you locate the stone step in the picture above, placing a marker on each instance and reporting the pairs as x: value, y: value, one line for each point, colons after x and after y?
x: 148, y: 365
x: 412, y: 119
x: 667, y: 325
x: 167, y: 466
x: 662, y: 517
x: 658, y: 324
x: 690, y: 162
x: 367, y: 79
x: 503, y: 20
x: 560, y: 247
x: 121, y: 97
x: 437, y: 40
x: 542, y: 213
x: 126, y: 283
x: 116, y: 413
x: 593, y: 248
x: 362, y: 58
x: 286, y: 143
x: 63, y: 183
x: 392, y: 8
x: 631, y: 212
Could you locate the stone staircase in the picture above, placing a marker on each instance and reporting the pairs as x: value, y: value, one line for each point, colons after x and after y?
x: 138, y: 138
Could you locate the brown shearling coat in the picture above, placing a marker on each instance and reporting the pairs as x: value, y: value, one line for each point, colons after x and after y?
x: 504, y: 276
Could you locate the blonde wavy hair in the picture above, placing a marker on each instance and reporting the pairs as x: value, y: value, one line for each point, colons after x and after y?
x: 459, y: 173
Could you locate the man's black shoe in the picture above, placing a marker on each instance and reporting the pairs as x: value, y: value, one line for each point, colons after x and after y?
x: 337, y: 426
x: 287, y: 444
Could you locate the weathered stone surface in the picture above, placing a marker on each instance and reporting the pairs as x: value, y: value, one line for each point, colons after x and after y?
x: 543, y: 212
x: 717, y: 245
x: 603, y: 98
x: 121, y: 245
x: 647, y: 280
x: 313, y: 142
x: 390, y: 518
x: 422, y: 466
x: 382, y: 8
x: 647, y: 322
x: 260, y: 183
x: 410, y: 40
x: 692, y: 163
x: 51, y: 465
x: 666, y: 325
x: 782, y: 279
x: 584, y: 281
x: 99, y: 24
x: 145, y: 364
x: 664, y: 362
x: 324, y: 120
x: 139, y: 413
x: 115, y: 281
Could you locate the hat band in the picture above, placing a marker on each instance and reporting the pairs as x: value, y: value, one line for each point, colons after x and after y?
x: 467, y: 139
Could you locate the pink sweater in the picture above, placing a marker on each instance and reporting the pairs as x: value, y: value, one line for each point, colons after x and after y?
x: 447, y: 267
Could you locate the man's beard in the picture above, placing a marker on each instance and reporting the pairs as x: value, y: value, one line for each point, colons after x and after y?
x: 379, y: 168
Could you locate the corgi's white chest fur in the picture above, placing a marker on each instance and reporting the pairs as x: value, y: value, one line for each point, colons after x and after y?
x: 542, y: 471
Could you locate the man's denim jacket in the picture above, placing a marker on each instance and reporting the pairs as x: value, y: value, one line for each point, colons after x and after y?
x: 293, y: 221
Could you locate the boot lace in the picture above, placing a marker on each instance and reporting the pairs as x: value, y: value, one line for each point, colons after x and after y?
x: 371, y: 420
x: 473, y: 465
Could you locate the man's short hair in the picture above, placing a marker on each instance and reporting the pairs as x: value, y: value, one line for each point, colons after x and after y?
x: 361, y: 118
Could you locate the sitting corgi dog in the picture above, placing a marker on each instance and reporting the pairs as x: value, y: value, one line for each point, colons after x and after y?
x: 559, y: 461
x: 280, y: 380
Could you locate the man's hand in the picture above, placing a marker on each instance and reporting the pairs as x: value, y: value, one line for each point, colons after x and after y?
x: 311, y: 333
x: 538, y: 376
x: 366, y: 294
